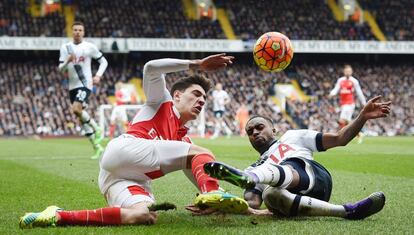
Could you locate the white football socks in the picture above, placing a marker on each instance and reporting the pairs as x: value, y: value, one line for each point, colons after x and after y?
x: 291, y: 204
x: 86, y: 119
x: 274, y: 175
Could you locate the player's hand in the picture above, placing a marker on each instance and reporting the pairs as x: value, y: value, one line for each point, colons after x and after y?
x: 375, y: 109
x: 213, y: 62
x: 71, y: 58
x: 96, y: 79
x: 197, y: 211
x: 265, y: 212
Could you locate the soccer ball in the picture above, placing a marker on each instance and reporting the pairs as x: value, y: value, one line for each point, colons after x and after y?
x: 273, y: 52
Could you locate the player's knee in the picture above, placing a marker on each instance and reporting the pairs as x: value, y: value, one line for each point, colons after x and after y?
x: 277, y: 200
x: 77, y: 109
x: 196, y: 150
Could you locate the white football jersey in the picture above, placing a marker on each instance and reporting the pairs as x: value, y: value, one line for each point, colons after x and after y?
x: 84, y: 53
x: 219, y: 98
x: 294, y: 143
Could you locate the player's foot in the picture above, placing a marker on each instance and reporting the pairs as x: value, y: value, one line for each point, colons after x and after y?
x: 230, y: 174
x: 98, y: 152
x: 221, y: 201
x: 46, y: 218
x: 366, y: 207
x: 98, y: 136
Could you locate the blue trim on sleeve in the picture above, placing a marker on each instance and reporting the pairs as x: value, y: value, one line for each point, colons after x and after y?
x: 318, y: 140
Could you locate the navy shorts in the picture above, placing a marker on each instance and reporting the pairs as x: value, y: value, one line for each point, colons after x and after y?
x: 322, y: 187
x: 80, y: 95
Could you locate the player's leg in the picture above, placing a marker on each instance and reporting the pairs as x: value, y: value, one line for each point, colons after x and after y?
x: 286, y: 203
x: 226, y: 128
x: 217, y: 126
x: 123, y: 119
x: 268, y: 173
x: 112, y: 125
x: 127, y: 205
x: 178, y: 155
x: 78, y: 98
x: 346, y: 115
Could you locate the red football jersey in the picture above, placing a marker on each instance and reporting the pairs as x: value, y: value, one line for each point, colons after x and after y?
x: 158, y: 118
x: 347, y: 88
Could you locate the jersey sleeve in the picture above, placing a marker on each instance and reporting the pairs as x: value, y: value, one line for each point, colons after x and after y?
x: 335, y: 90
x: 95, y: 53
x: 359, y: 93
x: 154, y: 78
x: 226, y: 95
x: 63, y: 54
x: 309, y: 139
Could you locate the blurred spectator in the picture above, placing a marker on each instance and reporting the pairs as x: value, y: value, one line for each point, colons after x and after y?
x: 34, y: 96
x: 298, y: 19
x: 149, y: 19
x: 394, y: 17
x: 15, y: 20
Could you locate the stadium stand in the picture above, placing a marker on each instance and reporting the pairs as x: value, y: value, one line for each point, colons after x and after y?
x: 35, y: 98
x: 155, y: 19
x: 396, y: 18
x: 166, y: 19
x: 393, y: 82
x: 296, y: 18
x: 16, y: 21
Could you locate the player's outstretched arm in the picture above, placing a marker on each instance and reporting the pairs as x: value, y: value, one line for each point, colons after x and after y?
x: 154, y: 81
x: 212, y: 63
x: 103, y: 64
x: 335, y: 90
x: 372, y: 110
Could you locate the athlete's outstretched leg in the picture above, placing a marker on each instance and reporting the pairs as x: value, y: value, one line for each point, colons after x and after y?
x: 286, y: 203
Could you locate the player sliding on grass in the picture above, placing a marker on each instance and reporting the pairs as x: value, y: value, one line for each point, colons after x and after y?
x: 155, y: 145
x: 287, y: 178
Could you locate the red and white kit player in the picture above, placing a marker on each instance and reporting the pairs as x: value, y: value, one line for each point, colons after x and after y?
x: 347, y: 86
x: 155, y: 145
x: 123, y: 96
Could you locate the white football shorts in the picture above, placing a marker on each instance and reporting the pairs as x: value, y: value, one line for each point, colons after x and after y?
x: 346, y: 112
x: 129, y: 164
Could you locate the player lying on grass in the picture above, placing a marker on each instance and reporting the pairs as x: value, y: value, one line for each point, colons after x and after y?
x: 287, y: 178
x: 155, y: 145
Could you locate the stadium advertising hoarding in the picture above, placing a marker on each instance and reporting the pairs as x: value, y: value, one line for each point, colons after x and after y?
x: 124, y: 45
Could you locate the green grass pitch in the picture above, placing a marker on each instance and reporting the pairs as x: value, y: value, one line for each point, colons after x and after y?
x: 38, y: 173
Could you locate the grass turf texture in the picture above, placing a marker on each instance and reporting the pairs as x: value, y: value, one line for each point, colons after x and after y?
x: 35, y: 174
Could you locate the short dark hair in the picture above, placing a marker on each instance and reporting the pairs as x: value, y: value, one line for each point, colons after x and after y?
x: 183, y: 83
x: 269, y: 120
x: 78, y: 23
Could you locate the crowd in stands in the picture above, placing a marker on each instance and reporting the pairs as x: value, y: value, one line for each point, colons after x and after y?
x: 298, y: 19
x: 393, y: 82
x: 394, y: 17
x: 35, y: 99
x: 15, y: 20
x: 150, y: 19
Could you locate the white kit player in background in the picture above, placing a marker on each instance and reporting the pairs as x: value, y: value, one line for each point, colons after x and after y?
x: 220, y: 99
x: 75, y: 58
x: 347, y: 86
x: 124, y: 95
